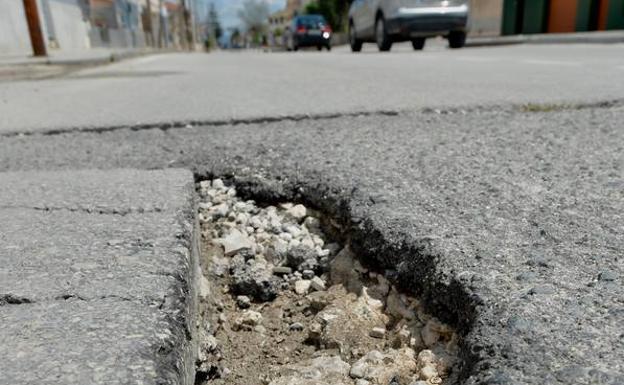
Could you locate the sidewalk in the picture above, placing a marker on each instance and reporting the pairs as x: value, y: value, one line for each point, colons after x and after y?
x: 596, y: 37
x: 97, y: 273
x: 58, y: 63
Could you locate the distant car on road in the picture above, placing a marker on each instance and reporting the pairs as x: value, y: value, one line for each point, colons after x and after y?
x: 309, y: 31
x: 389, y: 21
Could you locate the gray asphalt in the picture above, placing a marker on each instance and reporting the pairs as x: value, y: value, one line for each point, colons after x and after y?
x: 96, y: 277
x: 235, y: 86
x: 506, y: 219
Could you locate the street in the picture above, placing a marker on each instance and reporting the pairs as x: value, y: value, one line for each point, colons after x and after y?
x: 240, y: 86
x: 489, y: 179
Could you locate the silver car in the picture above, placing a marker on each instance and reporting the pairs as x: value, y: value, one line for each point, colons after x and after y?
x: 389, y: 21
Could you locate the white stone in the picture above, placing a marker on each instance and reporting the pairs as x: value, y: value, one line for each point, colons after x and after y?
x: 218, y: 184
x: 317, y: 284
x: 234, y: 242
x: 302, y: 286
x: 378, y: 332
x: 428, y: 372
x: 220, y: 210
x: 248, y: 318
x: 297, y: 212
x: 426, y: 357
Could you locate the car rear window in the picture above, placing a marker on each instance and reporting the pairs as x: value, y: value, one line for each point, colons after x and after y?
x: 312, y: 21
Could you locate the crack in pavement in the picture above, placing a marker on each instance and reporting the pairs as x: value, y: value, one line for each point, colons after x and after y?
x: 86, y: 210
x: 528, y: 107
x: 213, y: 123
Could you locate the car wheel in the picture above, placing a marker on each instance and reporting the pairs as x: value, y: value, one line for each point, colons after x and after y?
x: 356, y: 44
x: 418, y: 43
x: 457, y: 39
x: 319, y: 47
x: 328, y: 46
x: 295, y: 48
x: 381, y: 35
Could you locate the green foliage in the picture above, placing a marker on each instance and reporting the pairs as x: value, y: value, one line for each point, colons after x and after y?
x: 253, y: 14
x: 312, y: 8
x: 335, y: 11
x: 278, y: 32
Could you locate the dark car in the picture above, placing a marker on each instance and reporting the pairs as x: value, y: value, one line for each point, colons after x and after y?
x: 309, y: 31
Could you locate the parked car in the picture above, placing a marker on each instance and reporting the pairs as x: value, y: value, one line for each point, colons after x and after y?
x: 389, y: 21
x: 308, y: 31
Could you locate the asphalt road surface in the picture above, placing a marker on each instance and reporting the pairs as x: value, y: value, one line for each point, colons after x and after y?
x: 238, y: 86
x: 491, y: 179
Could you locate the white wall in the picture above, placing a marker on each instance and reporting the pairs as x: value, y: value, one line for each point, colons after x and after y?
x: 14, y: 37
x: 71, y: 30
x: 486, y: 17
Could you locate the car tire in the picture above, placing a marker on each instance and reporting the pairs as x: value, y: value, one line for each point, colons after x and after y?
x: 295, y: 48
x: 354, y: 42
x: 328, y: 46
x: 418, y: 43
x: 384, y: 43
x: 457, y: 39
x: 319, y: 47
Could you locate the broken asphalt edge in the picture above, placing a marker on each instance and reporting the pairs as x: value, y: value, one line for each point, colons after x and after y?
x: 413, y: 259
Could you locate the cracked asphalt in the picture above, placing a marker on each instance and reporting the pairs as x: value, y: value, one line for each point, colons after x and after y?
x: 504, y: 216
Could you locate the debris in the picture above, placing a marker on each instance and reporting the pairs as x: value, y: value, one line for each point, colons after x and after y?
x: 302, y: 286
x: 282, y: 270
x: 243, y: 302
x: 317, y: 284
x: 297, y: 212
x: 234, y: 242
x: 303, y: 306
x: 247, y: 320
x: 296, y: 326
x: 378, y: 332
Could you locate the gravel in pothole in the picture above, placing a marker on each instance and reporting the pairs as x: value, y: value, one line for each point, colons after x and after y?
x: 284, y: 305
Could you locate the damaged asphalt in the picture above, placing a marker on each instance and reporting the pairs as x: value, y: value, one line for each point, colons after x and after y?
x: 510, y: 219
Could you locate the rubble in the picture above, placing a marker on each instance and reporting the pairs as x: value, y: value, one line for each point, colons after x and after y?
x: 292, y: 307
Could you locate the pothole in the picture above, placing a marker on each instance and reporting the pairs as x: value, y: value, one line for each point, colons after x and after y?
x: 285, y: 301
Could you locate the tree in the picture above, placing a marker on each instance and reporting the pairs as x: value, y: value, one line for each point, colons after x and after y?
x: 335, y: 11
x: 214, y: 25
x: 254, y: 14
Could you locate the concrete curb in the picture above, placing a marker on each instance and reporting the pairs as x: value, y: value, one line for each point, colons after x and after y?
x: 602, y: 37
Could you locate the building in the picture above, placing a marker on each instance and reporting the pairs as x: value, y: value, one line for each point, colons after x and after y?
x: 75, y: 25
x: 510, y: 17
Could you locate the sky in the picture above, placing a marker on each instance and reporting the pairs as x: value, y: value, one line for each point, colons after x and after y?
x: 228, y: 9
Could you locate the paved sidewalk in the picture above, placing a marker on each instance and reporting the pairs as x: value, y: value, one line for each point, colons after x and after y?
x: 59, y: 63
x: 96, y: 277
x: 596, y: 37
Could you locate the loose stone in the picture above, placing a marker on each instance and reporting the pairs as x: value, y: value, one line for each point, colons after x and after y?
x: 297, y: 212
x: 302, y: 286
x: 243, y: 302
x: 317, y: 284
x: 296, y: 326
x: 378, y: 332
x: 281, y: 270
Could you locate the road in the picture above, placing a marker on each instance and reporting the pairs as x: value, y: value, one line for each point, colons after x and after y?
x: 239, y: 86
x: 491, y: 179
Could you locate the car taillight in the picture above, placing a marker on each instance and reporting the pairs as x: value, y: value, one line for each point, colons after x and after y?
x: 301, y: 29
x: 327, y: 28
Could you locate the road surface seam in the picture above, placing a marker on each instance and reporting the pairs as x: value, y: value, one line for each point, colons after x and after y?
x: 527, y: 107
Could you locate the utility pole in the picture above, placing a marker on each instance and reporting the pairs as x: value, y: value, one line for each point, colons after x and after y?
x: 149, y: 27
x: 34, y: 28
